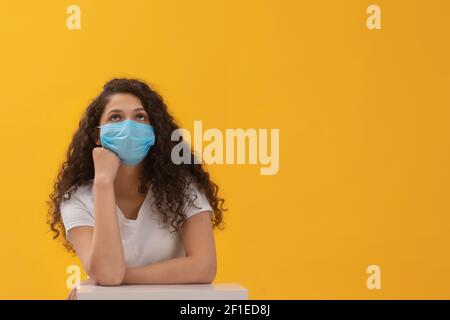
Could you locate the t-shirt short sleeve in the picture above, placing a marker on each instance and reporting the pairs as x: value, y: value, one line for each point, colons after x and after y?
x: 200, y: 204
x: 75, y: 213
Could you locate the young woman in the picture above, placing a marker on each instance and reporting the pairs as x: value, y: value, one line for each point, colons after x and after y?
x: 131, y: 215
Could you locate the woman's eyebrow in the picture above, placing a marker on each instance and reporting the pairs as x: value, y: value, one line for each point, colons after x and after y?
x: 119, y: 110
x: 114, y: 110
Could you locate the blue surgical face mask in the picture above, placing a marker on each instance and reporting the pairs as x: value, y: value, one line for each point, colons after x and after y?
x: 129, y: 139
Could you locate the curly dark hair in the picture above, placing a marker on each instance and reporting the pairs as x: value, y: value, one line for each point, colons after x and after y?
x: 169, y: 182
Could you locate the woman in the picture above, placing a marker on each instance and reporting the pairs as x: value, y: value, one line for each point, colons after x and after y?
x: 131, y: 215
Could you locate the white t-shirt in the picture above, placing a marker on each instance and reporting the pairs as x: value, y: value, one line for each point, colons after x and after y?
x: 145, y: 240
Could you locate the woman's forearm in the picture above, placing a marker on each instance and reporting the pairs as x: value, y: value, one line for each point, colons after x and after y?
x: 106, y: 263
x: 172, y: 271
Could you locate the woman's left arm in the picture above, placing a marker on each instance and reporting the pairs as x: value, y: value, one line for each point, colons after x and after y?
x: 198, y: 266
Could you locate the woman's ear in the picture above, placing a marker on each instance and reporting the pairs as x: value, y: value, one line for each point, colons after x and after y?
x: 96, y: 137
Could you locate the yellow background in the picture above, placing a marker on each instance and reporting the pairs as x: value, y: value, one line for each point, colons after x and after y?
x: 364, y: 137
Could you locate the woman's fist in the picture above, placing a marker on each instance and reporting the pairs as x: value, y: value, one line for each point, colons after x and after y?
x: 106, y: 164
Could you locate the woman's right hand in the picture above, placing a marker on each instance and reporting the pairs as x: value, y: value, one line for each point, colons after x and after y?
x: 106, y: 164
x: 73, y: 293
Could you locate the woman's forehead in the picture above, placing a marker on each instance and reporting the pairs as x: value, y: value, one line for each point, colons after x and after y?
x: 123, y: 101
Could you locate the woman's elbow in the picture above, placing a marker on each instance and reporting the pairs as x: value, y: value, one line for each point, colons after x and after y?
x: 208, y: 271
x: 209, y: 279
x: 107, y: 276
x: 110, y: 280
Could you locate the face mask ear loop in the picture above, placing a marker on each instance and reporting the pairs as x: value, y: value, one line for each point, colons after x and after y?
x: 98, y: 145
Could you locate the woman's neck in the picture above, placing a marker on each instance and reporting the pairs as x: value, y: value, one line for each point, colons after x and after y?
x: 127, y: 180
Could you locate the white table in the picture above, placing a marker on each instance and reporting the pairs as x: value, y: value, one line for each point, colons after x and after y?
x: 223, y: 291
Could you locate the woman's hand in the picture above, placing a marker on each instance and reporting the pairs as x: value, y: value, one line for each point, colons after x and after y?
x: 73, y: 293
x: 106, y: 164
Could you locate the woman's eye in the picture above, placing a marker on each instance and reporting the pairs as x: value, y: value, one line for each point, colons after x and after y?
x: 141, y: 117
x: 114, y: 117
